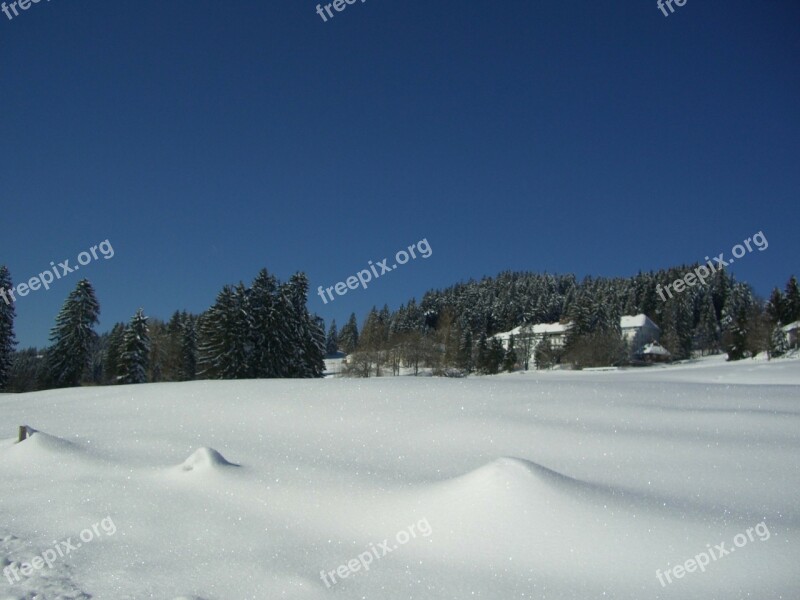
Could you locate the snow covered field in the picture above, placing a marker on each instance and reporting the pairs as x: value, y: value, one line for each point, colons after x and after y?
x: 558, y: 485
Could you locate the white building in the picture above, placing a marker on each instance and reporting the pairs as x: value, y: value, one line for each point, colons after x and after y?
x: 555, y: 332
x: 637, y: 331
x: 792, y: 332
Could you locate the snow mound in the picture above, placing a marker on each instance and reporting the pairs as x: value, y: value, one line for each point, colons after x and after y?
x: 206, y: 459
x: 534, y: 514
x: 41, y: 447
x: 517, y: 481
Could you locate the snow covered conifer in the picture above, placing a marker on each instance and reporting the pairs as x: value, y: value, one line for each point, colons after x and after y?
x: 306, y: 350
x: 269, y: 335
x: 73, y: 336
x: 348, y: 338
x: 135, y: 356
x: 225, y: 341
x: 189, y: 349
x: 778, y: 343
x: 482, y: 354
x: 113, y: 352
x: 7, y: 340
x: 332, y: 341
x: 775, y: 307
x: 792, y: 302
x: 465, y: 352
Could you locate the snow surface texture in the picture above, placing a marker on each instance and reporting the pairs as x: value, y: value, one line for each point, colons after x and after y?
x: 550, y: 485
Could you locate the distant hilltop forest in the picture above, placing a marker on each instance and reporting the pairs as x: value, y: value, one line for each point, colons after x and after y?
x: 264, y: 330
x: 451, y: 330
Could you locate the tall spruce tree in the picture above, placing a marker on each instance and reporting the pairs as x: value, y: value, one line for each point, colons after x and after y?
x: 778, y: 345
x: 306, y: 335
x: 73, y: 336
x: 348, y: 338
x: 7, y: 340
x: 735, y: 341
x: 189, y: 349
x: 465, y: 361
x: 495, y: 356
x: 792, y: 304
x: 135, y: 356
x: 111, y: 364
x: 271, y: 343
x: 776, y: 307
x: 482, y: 354
x: 225, y: 334
x: 332, y: 341
x: 707, y: 331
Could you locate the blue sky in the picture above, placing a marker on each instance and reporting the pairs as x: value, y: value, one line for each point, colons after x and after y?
x: 206, y: 140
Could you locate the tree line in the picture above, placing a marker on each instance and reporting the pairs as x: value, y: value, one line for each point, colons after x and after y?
x: 258, y: 331
x: 451, y: 330
x: 265, y: 330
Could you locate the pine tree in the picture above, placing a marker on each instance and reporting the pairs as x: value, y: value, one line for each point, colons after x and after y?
x: 678, y: 328
x: 776, y: 307
x: 114, y: 348
x: 735, y: 341
x: 792, y: 305
x: 188, y: 349
x: 271, y: 344
x: 707, y: 332
x: 482, y: 355
x: 306, y: 354
x: 73, y: 336
x: 495, y: 357
x: 448, y: 338
x: 348, y: 338
x: 778, y: 343
x: 332, y: 341
x: 580, y: 315
x: 224, y: 337
x: 7, y: 339
x: 465, y: 361
x: 315, y: 348
x: 135, y: 356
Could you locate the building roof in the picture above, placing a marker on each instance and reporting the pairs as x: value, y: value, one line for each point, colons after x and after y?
x: 626, y: 322
x: 538, y: 329
x: 640, y: 320
x: 552, y: 327
x: 655, y: 349
x: 791, y: 327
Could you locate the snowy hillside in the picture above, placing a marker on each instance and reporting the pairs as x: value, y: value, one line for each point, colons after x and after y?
x: 558, y: 485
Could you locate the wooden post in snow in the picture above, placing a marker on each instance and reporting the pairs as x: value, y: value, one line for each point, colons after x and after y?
x: 23, y: 433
